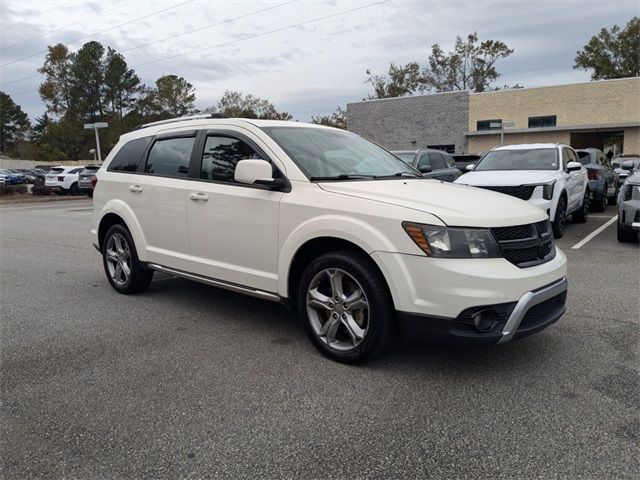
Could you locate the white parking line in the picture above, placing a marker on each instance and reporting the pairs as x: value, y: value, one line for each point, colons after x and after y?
x: 592, y: 235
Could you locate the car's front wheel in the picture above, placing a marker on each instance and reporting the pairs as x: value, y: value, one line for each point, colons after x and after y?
x: 346, y: 306
x: 121, y: 264
x: 560, y: 219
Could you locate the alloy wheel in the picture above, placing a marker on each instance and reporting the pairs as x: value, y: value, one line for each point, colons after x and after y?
x: 338, y: 309
x: 118, y: 259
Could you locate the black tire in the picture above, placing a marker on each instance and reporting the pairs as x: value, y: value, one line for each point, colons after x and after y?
x: 140, y: 276
x: 74, y: 190
x: 614, y: 200
x: 601, y: 204
x: 582, y: 214
x: 558, y: 223
x: 380, y: 324
x: 626, y: 236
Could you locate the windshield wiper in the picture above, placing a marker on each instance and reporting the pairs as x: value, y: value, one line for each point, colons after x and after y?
x: 399, y: 174
x: 343, y: 176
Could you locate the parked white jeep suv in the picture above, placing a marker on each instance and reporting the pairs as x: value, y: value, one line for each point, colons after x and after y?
x: 329, y: 223
x: 547, y: 175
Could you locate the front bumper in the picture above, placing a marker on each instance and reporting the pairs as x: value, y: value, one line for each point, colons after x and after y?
x: 533, y: 312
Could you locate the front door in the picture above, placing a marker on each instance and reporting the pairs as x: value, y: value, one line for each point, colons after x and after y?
x: 573, y: 180
x: 233, y: 227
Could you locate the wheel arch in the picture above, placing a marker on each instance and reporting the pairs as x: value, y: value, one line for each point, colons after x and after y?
x: 118, y: 212
x: 313, y: 248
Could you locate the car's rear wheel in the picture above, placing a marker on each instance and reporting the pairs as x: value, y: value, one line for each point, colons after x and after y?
x: 121, y: 264
x: 614, y: 199
x: 346, y: 306
x: 74, y: 190
x: 560, y: 219
x: 582, y: 214
x: 626, y: 236
x: 601, y: 204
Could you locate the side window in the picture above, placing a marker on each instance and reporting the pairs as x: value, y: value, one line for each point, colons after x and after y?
x: 76, y: 170
x: 423, y: 161
x: 438, y: 162
x: 129, y: 155
x: 565, y: 158
x: 170, y: 157
x: 221, y: 155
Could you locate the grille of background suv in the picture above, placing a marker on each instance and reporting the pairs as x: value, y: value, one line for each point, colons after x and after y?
x: 522, y: 192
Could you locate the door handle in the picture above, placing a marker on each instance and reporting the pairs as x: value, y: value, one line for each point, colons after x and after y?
x: 135, y: 188
x: 199, y: 196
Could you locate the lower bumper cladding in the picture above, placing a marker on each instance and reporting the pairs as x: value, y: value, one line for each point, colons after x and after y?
x: 491, y: 324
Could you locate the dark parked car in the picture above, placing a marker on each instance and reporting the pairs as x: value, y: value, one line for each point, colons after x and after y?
x: 32, y: 176
x: 603, y: 179
x: 465, y: 159
x: 84, y: 179
x: 12, y: 178
x: 434, y: 164
x: 618, y: 162
x: 629, y: 208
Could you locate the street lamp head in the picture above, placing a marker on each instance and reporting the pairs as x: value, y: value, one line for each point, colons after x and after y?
x: 91, y: 126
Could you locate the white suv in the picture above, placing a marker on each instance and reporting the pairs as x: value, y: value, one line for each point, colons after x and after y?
x: 547, y: 175
x: 329, y: 223
x: 63, y: 179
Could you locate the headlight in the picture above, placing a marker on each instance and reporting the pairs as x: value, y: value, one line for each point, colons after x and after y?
x: 547, y: 190
x: 446, y: 242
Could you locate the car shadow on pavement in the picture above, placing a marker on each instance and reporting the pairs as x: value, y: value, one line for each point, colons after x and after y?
x: 207, y: 304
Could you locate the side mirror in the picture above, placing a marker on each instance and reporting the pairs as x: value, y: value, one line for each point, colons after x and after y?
x: 256, y: 172
x: 425, y: 169
x: 470, y: 167
x: 573, y: 166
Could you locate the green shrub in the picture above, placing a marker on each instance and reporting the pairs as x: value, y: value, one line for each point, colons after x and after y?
x: 8, y: 190
x: 39, y: 189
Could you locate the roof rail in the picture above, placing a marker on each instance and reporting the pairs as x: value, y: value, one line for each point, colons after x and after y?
x: 181, y: 119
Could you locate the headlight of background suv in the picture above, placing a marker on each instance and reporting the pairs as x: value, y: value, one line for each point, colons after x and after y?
x: 444, y: 242
x: 547, y: 190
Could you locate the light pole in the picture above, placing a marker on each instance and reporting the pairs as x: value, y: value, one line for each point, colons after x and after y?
x: 501, y: 126
x: 95, y: 127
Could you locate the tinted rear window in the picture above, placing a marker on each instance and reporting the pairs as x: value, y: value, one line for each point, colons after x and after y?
x: 128, y: 157
x: 56, y: 170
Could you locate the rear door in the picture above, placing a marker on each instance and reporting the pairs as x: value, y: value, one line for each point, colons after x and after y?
x: 157, y: 193
x: 233, y: 227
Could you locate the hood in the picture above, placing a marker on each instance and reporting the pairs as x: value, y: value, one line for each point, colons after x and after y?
x: 503, y: 178
x: 455, y: 205
x: 634, y: 179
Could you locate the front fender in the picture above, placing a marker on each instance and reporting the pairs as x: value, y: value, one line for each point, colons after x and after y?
x: 356, y: 231
x: 120, y: 208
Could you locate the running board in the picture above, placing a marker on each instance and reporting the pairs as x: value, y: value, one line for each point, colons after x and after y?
x: 216, y: 283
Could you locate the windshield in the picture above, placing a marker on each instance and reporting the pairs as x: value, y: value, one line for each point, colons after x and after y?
x: 584, y: 158
x: 520, y: 159
x: 325, y: 153
x: 405, y: 157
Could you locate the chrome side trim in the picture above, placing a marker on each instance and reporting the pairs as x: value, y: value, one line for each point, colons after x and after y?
x: 527, y: 301
x: 217, y: 283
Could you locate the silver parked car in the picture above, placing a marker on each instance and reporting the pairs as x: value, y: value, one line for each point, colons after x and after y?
x: 629, y: 208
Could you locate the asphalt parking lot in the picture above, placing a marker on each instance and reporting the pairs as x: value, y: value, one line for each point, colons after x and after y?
x: 187, y: 381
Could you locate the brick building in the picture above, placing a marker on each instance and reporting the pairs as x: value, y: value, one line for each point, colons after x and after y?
x: 603, y: 114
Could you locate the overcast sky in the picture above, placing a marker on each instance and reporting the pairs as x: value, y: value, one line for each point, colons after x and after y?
x: 306, y: 69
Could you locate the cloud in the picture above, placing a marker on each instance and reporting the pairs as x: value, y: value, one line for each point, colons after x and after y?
x: 309, y: 69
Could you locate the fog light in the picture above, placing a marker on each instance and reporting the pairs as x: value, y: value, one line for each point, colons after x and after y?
x: 485, y: 320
